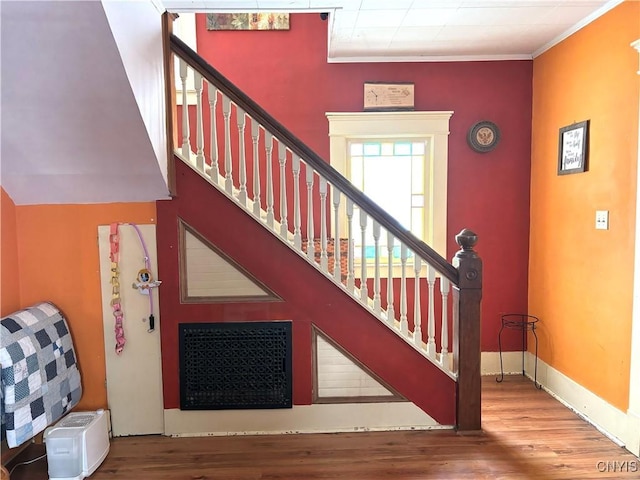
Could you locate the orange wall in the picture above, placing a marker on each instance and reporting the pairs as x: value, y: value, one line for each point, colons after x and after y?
x: 581, y: 279
x: 58, y: 258
x: 9, y: 288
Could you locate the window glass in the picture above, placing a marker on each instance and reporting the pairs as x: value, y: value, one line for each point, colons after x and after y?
x: 391, y: 173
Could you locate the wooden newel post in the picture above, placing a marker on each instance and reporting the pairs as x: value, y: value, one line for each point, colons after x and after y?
x: 466, y: 332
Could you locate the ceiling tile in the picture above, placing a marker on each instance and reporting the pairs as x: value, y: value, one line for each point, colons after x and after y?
x: 350, y: 4
x: 422, y: 4
x: 328, y: 4
x: 425, y: 17
x: 413, y: 35
x: 385, y: 4
x: 380, y: 18
x: 568, y: 14
x: 283, y: 5
x: 374, y: 35
x: 344, y: 19
x: 463, y: 33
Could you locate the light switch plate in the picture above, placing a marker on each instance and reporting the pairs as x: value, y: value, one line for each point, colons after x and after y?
x: 602, y: 219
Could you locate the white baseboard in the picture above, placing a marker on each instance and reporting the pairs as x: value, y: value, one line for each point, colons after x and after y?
x: 622, y: 428
x: 317, y: 418
x: 633, y: 442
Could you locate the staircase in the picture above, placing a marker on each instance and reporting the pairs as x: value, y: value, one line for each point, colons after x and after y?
x: 273, y: 206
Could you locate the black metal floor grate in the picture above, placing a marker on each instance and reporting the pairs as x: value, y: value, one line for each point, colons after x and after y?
x: 235, y: 365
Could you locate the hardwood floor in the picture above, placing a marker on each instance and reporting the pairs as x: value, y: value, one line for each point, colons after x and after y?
x: 526, y: 435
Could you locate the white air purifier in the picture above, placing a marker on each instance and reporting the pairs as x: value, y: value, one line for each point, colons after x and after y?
x: 77, y: 445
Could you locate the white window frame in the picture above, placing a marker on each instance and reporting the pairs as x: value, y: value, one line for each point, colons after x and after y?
x: 345, y: 126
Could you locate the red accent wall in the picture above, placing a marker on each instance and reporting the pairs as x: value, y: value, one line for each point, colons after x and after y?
x: 286, y: 72
x: 307, y: 298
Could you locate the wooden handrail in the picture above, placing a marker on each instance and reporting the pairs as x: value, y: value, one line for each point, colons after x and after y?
x: 314, y: 160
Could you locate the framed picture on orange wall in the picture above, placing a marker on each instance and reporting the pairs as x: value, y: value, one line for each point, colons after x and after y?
x: 573, y: 148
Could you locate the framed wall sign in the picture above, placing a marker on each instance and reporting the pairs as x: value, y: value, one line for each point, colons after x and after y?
x: 388, y: 96
x: 573, y: 146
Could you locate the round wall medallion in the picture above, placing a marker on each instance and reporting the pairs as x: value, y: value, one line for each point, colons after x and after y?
x: 483, y: 136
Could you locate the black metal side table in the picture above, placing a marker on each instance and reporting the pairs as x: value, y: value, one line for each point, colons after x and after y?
x: 524, y: 323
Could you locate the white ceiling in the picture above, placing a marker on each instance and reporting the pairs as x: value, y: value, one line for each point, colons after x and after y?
x: 429, y: 30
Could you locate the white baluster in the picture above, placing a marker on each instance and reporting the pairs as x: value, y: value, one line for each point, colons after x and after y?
x: 324, y: 258
x: 417, y: 312
x: 311, y: 251
x: 364, y: 293
x: 186, y: 146
x: 242, y: 165
x: 284, y: 225
x: 391, y: 314
x: 213, y: 102
x: 337, y: 269
x: 255, y: 137
x: 351, y: 274
x: 268, y: 146
x: 455, y: 315
x: 431, y: 326
x: 197, y: 85
x: 404, y: 324
x: 297, y: 227
x: 376, y: 270
x: 228, y: 169
x: 444, y: 342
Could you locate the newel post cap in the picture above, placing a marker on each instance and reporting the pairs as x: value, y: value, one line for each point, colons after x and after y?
x: 467, y: 239
x: 467, y: 261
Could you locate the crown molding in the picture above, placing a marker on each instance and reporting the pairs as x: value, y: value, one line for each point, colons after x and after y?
x: 427, y: 58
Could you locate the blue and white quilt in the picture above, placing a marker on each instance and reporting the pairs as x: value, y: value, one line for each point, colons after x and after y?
x: 40, y: 380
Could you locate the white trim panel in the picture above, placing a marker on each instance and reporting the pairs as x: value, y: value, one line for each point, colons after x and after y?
x: 318, y: 418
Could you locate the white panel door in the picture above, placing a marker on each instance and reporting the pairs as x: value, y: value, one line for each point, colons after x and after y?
x: 134, y: 378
